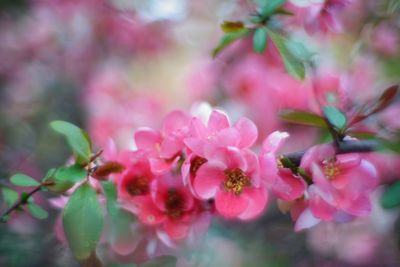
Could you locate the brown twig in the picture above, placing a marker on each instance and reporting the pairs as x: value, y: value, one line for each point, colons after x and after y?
x: 343, y: 147
x: 22, y: 201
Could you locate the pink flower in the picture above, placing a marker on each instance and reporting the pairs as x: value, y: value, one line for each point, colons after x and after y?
x: 134, y: 183
x: 321, y: 16
x: 231, y: 177
x: 164, y: 148
x: 283, y: 182
x: 218, y: 133
x: 341, y: 184
x: 171, y: 207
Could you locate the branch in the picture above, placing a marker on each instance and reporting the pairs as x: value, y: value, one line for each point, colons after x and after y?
x: 22, y: 201
x: 344, y: 147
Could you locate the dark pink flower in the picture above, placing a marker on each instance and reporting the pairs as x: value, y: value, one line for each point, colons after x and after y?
x: 170, y: 206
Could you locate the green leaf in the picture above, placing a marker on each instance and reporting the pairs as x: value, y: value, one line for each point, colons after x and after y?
x: 10, y: 196
x: 298, y: 50
x: 391, y: 197
x: 165, y: 261
x: 74, y: 173
x: 37, y: 211
x: 232, y: 26
x: 335, y: 117
x: 61, y: 179
x: 23, y: 180
x: 293, y: 65
x: 260, y: 40
x: 227, y: 39
x: 270, y: 7
x: 303, y: 118
x: 83, y: 221
x: 77, y: 139
x: 120, y: 221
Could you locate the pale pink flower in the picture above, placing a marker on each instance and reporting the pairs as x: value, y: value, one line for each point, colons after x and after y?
x: 341, y: 184
x: 164, y: 147
x: 284, y: 184
x: 321, y: 15
x: 385, y: 39
x: 218, y: 133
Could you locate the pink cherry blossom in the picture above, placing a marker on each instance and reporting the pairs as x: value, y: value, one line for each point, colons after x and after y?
x: 321, y: 16
x: 170, y: 207
x: 341, y: 183
x: 218, y: 133
x: 231, y: 177
x: 164, y: 147
x: 283, y: 182
x: 134, y: 183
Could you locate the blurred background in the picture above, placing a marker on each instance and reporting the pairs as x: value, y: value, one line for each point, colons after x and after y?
x: 111, y: 66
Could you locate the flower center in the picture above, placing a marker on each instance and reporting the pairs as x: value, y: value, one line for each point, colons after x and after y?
x: 138, y: 186
x: 237, y: 180
x: 174, y: 204
x: 195, y: 164
x: 331, y: 170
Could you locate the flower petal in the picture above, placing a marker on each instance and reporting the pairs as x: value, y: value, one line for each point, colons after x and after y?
x: 257, y: 199
x: 218, y: 120
x: 149, y: 214
x: 230, y: 205
x: 175, y: 120
x: 175, y: 229
x: 208, y: 180
x: 147, y: 138
x: 306, y: 220
x: 248, y: 132
x: 274, y: 141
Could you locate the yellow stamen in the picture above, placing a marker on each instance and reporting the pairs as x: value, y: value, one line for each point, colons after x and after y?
x: 237, y: 180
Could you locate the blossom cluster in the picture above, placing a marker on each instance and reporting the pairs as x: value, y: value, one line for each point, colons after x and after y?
x: 193, y: 168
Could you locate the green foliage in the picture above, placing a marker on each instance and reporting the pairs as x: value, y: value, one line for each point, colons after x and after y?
x: 37, y: 211
x: 77, y: 139
x: 298, y: 50
x: 269, y: 7
x: 227, y: 39
x: 335, y: 117
x: 120, y: 220
x: 61, y: 179
x: 293, y: 65
x: 74, y: 173
x: 23, y: 180
x: 9, y: 196
x: 303, y: 118
x: 391, y: 197
x: 83, y: 221
x: 260, y: 40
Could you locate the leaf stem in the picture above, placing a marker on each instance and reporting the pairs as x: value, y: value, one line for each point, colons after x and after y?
x: 22, y: 201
